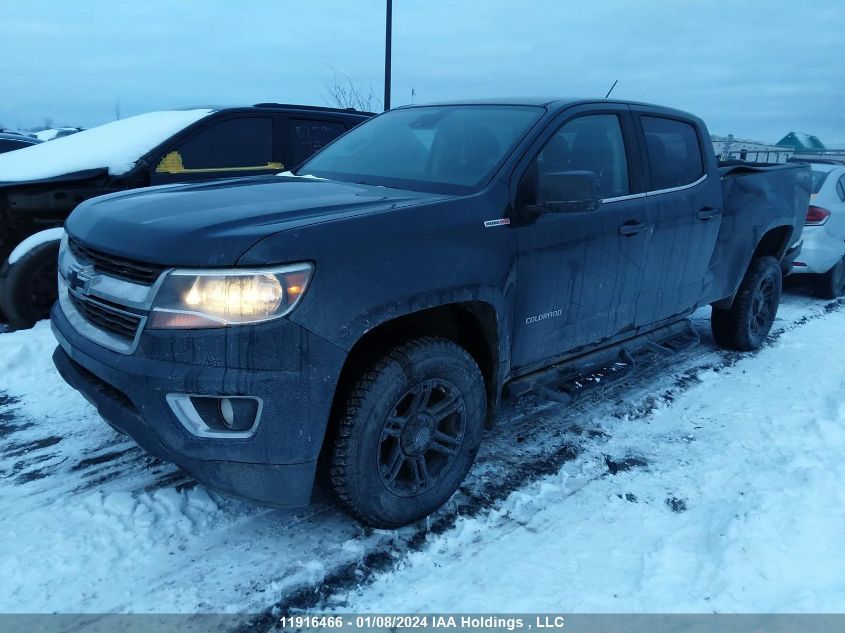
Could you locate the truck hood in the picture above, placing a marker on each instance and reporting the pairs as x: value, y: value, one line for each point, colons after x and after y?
x: 214, y: 223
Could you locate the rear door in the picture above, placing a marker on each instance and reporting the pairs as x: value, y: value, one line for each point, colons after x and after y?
x: 683, y: 212
x: 579, y: 273
x: 224, y: 147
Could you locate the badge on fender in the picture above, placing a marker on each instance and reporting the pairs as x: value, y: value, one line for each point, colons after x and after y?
x: 499, y: 222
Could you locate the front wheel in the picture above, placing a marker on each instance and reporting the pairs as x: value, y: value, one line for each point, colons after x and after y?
x: 28, y: 289
x: 831, y: 284
x: 409, y: 433
x: 747, y: 323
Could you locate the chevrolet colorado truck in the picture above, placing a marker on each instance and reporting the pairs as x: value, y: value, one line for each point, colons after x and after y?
x: 40, y: 186
x: 357, y: 319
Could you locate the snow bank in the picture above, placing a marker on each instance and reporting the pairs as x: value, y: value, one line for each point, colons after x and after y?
x: 114, y: 146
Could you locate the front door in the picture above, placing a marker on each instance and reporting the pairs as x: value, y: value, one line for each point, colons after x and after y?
x: 223, y: 148
x: 579, y: 274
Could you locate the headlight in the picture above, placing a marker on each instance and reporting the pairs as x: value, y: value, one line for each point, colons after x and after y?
x: 216, y: 298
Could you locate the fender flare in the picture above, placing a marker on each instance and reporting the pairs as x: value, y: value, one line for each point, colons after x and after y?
x: 36, y: 239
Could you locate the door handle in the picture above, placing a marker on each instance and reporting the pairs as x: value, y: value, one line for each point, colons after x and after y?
x: 632, y: 227
x: 708, y: 213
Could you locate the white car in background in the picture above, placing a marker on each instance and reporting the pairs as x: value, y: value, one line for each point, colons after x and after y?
x: 823, y: 254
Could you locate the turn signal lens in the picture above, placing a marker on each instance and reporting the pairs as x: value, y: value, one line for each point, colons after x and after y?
x: 201, y: 299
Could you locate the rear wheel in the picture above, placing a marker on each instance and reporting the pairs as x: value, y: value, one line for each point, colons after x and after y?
x: 409, y: 434
x: 28, y: 289
x: 747, y: 323
x: 831, y: 284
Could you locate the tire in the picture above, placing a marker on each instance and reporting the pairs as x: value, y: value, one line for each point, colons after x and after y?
x: 831, y: 284
x: 409, y: 433
x: 28, y: 288
x: 749, y: 320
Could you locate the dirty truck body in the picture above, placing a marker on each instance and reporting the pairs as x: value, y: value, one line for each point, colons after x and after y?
x: 426, y: 258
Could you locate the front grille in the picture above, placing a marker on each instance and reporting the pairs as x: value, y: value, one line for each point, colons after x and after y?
x: 106, y: 318
x: 120, y: 267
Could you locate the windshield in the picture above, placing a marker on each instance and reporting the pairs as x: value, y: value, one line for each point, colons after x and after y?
x: 448, y: 149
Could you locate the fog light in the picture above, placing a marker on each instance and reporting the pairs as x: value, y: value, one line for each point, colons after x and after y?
x: 227, y: 412
x: 217, y: 416
x: 238, y: 414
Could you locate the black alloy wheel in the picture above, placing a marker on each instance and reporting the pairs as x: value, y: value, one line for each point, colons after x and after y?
x: 421, y: 437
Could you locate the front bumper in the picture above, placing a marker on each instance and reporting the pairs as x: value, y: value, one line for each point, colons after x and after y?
x: 292, y: 371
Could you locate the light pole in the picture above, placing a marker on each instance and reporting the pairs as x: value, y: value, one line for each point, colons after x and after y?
x: 388, y: 36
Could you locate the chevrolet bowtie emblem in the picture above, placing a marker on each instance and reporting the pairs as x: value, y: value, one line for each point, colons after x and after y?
x: 79, y: 278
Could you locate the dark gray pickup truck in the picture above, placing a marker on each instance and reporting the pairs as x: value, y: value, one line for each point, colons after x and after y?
x: 361, y: 316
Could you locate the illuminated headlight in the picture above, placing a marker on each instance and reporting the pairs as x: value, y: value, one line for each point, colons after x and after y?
x: 216, y: 298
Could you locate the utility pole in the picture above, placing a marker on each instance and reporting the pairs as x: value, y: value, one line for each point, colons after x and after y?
x: 387, y: 45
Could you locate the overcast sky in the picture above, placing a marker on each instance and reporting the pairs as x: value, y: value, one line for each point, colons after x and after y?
x: 754, y: 68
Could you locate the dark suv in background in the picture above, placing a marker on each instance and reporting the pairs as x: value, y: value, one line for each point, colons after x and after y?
x: 40, y: 187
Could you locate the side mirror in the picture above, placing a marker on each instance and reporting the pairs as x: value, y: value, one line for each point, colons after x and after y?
x: 565, y: 192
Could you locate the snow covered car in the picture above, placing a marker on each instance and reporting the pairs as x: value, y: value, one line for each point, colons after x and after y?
x: 361, y: 316
x: 823, y: 254
x: 53, y: 133
x: 10, y: 141
x: 41, y: 185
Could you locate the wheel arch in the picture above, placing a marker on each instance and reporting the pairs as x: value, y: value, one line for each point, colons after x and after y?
x: 33, y: 241
x: 774, y: 243
x: 474, y: 325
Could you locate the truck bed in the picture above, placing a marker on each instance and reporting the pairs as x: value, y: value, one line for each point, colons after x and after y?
x: 758, y: 199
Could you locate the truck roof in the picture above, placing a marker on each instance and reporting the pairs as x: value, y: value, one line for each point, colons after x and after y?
x: 550, y: 103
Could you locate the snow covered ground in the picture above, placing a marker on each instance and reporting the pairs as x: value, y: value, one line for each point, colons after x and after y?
x: 711, y: 481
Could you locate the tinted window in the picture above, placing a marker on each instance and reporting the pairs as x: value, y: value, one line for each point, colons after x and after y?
x: 7, y: 145
x: 246, y: 142
x: 431, y: 148
x: 589, y: 143
x: 310, y: 136
x: 840, y: 188
x: 674, y: 154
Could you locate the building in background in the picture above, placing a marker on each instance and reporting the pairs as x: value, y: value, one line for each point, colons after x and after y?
x: 802, y: 143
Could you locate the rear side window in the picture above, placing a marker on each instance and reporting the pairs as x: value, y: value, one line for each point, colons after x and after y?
x: 245, y: 142
x: 589, y: 143
x: 310, y: 136
x: 674, y: 153
x: 840, y: 188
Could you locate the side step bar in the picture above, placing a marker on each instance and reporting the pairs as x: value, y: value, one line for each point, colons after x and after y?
x: 566, y: 380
